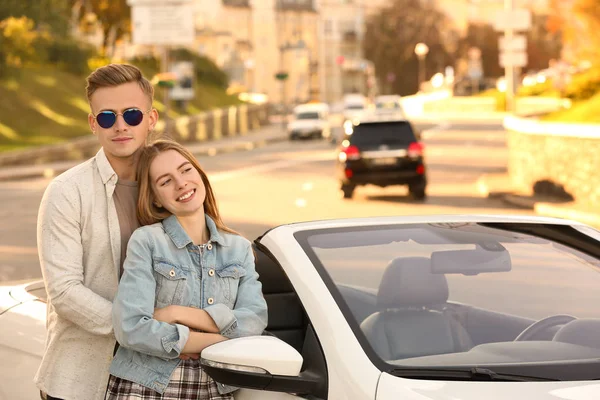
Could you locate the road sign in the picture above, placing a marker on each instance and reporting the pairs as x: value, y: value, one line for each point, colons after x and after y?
x: 513, y: 59
x: 517, y: 20
x: 518, y: 43
x: 162, y: 24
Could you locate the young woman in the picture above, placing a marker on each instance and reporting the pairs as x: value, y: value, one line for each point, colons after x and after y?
x: 188, y: 282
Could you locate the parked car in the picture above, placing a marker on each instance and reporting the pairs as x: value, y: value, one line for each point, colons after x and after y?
x: 310, y: 121
x: 382, y: 150
x: 413, y: 308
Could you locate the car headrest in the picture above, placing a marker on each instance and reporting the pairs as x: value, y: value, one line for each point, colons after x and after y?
x: 583, y: 332
x: 408, y: 282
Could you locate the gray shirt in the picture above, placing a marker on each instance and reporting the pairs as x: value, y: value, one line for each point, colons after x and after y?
x: 125, y: 197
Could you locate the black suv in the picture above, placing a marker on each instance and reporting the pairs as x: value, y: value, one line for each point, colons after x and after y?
x: 381, y: 152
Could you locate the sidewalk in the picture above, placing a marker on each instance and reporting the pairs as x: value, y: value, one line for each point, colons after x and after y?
x: 254, y: 139
x: 500, y: 186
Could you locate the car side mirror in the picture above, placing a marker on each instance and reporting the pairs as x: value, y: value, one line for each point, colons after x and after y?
x: 258, y: 362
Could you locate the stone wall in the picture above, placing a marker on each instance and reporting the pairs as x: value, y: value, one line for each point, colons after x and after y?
x: 566, y: 154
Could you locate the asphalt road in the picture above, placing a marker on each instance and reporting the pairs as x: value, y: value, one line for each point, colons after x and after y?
x: 294, y: 181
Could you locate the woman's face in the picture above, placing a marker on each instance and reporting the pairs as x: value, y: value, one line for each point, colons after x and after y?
x: 176, y: 184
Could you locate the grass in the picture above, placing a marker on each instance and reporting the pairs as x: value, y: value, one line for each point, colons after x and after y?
x: 586, y: 111
x: 43, y: 105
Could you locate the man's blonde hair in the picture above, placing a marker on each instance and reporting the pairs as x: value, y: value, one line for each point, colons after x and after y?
x: 117, y: 74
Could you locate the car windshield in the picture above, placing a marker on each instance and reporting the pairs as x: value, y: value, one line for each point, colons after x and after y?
x: 390, y: 133
x: 466, y: 294
x: 355, y: 107
x: 388, y: 105
x: 307, y: 115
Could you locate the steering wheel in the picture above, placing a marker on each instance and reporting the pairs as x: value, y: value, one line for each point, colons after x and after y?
x: 539, y: 326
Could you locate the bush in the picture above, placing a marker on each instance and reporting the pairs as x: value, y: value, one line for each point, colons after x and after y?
x: 149, y: 65
x: 584, y: 86
x: 70, y: 55
x: 206, y: 70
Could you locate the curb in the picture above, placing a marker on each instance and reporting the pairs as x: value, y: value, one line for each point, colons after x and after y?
x: 203, y: 149
x: 540, y: 206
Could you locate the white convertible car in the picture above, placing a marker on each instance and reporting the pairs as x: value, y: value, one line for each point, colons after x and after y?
x: 412, y: 308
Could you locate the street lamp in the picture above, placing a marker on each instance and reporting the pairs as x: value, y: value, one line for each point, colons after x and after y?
x: 421, y: 50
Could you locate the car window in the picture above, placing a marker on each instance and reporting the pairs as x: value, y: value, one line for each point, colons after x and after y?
x: 307, y: 115
x: 355, y: 107
x: 388, y: 105
x: 396, y: 132
x: 441, y: 295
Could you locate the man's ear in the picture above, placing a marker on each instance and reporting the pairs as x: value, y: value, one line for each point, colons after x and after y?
x: 92, y: 122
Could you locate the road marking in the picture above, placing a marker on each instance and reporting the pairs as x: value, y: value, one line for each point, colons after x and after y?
x: 223, y: 176
x: 429, y: 133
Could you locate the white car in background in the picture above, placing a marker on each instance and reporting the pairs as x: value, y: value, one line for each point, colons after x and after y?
x: 310, y: 121
x: 412, y: 308
x: 389, y: 104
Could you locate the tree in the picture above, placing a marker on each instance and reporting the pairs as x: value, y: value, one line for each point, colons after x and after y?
x: 114, y: 17
x: 543, y: 44
x: 52, y: 15
x: 391, y: 36
x: 17, y: 39
x: 485, y: 38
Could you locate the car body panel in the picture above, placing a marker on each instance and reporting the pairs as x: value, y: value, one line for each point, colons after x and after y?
x: 22, y: 340
x: 392, y: 388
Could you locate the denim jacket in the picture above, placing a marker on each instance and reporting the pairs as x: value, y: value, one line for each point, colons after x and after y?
x: 164, y: 267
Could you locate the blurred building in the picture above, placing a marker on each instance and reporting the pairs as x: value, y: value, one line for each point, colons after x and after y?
x: 343, y: 67
x: 224, y: 33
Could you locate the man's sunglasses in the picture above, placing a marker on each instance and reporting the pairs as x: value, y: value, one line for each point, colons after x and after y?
x: 132, y: 117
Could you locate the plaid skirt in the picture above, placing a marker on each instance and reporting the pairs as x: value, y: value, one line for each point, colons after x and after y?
x: 188, y: 382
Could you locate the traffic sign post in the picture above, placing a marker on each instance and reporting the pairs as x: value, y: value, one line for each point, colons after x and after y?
x: 512, y: 47
x: 163, y: 23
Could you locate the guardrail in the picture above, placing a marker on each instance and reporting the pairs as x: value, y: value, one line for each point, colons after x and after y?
x: 206, y: 126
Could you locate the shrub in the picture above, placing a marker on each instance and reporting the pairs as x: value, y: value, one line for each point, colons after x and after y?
x: 584, y: 86
x: 206, y: 70
x: 70, y: 55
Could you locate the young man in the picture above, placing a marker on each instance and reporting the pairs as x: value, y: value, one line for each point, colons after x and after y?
x: 85, y: 220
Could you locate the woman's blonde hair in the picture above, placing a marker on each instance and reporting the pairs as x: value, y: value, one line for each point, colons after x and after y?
x: 147, y: 211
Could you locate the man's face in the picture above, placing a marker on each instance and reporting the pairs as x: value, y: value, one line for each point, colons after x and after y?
x: 121, y: 140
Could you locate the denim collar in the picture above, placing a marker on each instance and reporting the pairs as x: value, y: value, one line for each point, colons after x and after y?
x: 181, y: 239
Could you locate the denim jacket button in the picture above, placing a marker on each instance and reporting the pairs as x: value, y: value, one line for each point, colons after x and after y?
x: 172, y: 273
x: 211, y: 272
x: 209, y: 246
x: 211, y: 300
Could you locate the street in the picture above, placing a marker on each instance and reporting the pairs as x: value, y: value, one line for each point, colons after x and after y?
x: 294, y: 181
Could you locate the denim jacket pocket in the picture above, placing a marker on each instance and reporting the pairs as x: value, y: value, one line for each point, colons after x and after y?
x: 170, y: 282
x: 229, y: 280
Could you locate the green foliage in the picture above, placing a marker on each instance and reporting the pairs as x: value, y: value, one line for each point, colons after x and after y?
x: 70, y: 55
x: 206, y: 70
x: 17, y: 38
x: 545, y: 89
x: 52, y: 15
x: 585, y: 85
x: 149, y: 65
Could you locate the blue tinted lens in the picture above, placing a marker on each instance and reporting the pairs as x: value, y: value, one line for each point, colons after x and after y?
x: 133, y: 116
x: 106, y: 119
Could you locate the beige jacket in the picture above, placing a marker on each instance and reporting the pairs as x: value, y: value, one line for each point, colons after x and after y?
x: 79, y: 247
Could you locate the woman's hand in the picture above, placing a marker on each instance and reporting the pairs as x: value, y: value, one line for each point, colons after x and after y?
x: 166, y: 314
